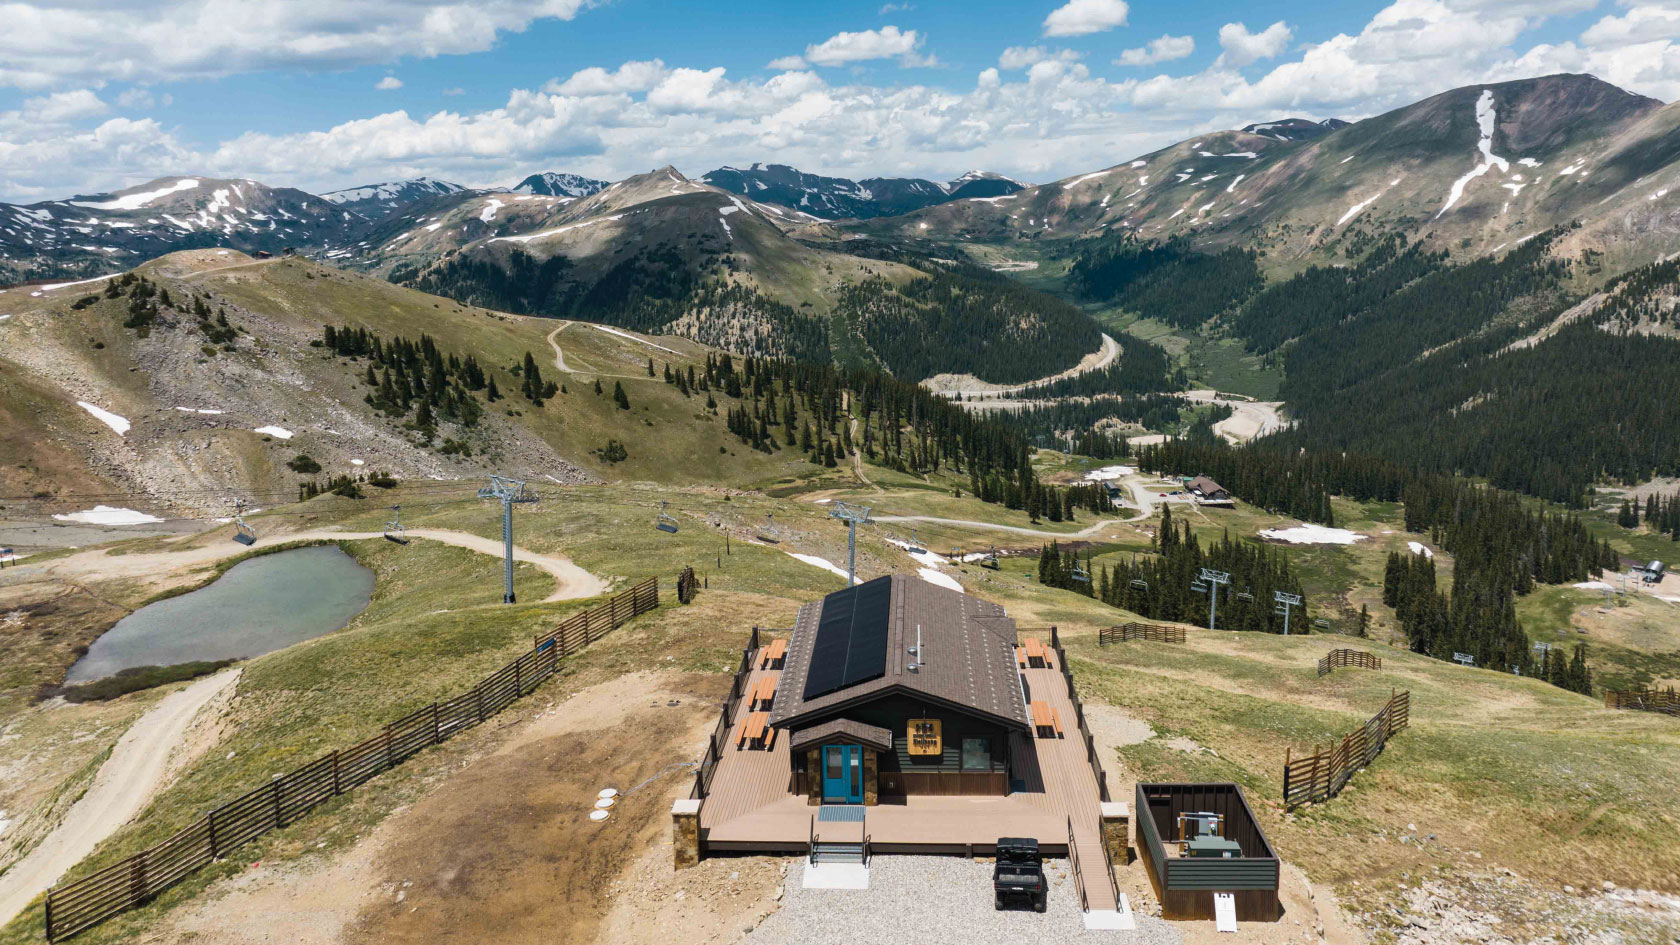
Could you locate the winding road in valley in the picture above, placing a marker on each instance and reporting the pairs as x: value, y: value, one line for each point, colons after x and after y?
x: 977, y: 389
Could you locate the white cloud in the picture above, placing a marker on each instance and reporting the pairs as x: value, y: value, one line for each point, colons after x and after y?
x: 1242, y: 47
x: 389, y: 84
x: 887, y: 8
x: 1642, y: 23
x: 1020, y: 57
x: 143, y: 98
x: 54, y: 43
x: 1079, y: 17
x: 634, y: 76
x: 787, y: 63
x: 64, y: 106
x: 888, y: 42
x: 1054, y: 119
x: 1164, y: 49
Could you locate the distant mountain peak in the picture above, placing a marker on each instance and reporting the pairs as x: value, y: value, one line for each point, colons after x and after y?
x: 552, y: 184
x: 392, y: 193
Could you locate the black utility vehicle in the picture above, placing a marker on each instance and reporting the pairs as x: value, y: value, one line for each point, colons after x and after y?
x: 1019, y: 874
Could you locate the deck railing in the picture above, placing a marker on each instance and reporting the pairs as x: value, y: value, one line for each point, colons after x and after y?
x: 79, y: 905
x: 1079, y: 715
x: 720, y: 735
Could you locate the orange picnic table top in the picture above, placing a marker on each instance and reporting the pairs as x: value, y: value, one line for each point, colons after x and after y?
x: 1044, y: 716
x: 774, y: 650
x: 765, y: 689
x: 755, y: 726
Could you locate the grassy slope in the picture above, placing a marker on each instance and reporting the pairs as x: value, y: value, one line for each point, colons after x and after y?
x: 661, y: 424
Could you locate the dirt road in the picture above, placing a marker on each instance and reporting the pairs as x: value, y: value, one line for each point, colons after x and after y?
x: 571, y: 581
x: 970, y: 387
x: 1085, y: 532
x: 128, y: 779
x: 1249, y: 418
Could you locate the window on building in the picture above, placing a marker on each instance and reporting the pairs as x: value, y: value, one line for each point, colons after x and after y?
x: 977, y: 754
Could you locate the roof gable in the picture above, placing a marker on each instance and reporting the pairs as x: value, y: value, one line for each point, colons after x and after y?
x: 967, y: 657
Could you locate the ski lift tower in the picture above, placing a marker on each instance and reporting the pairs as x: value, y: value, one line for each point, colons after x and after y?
x: 1286, y: 600
x: 853, y: 516
x: 509, y: 491
x: 1209, y: 581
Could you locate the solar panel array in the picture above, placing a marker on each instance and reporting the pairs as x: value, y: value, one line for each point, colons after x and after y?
x: 851, y: 643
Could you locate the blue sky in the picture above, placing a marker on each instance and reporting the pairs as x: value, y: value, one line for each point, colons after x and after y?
x: 330, y: 93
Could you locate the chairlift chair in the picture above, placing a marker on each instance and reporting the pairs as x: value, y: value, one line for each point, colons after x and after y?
x: 768, y: 533
x: 1140, y: 584
x: 1198, y: 587
x: 394, y: 530
x: 991, y: 560
x: 242, y: 532
x: 915, y: 546
x: 1080, y: 573
x: 666, y: 522
x: 1245, y: 597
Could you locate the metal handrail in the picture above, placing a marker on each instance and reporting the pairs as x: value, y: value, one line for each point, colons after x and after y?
x: 1078, y: 874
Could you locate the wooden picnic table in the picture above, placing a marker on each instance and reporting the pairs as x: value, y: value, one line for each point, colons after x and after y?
x: 774, y: 653
x: 756, y: 730
x: 764, y: 691
x: 1037, y: 655
x: 1045, y: 719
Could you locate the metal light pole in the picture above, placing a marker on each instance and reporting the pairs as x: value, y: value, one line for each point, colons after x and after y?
x: 1210, y: 580
x: 1286, y: 600
x: 509, y: 491
x: 853, y: 516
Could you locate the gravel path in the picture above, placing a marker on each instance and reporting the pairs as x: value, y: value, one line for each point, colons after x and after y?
x: 935, y: 900
x: 125, y: 782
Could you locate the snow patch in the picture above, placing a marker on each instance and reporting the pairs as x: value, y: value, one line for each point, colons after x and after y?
x: 940, y: 578
x: 277, y: 432
x: 624, y: 334
x: 1419, y: 548
x: 108, y: 515
x: 1486, y: 118
x: 1594, y: 586
x: 1354, y: 210
x: 823, y: 563
x: 1310, y: 534
x: 1109, y: 473
x: 1235, y: 183
x: 199, y: 410
x: 136, y: 201
x: 119, y: 424
x: 490, y: 207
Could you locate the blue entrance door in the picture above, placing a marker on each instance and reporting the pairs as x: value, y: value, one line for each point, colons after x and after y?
x: 842, y: 774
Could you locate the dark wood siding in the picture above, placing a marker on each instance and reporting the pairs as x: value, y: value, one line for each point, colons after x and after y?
x: 1185, y: 886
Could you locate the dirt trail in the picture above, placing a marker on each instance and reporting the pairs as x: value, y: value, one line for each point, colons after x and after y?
x: 1085, y: 532
x: 561, y: 365
x: 970, y: 387
x: 244, y: 265
x: 502, y: 850
x: 137, y: 768
x: 571, y: 581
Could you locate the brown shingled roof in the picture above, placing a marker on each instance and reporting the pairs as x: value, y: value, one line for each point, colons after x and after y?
x: 872, y: 736
x: 968, y: 658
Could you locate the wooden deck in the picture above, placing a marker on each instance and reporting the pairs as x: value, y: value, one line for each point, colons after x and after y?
x: 751, y: 806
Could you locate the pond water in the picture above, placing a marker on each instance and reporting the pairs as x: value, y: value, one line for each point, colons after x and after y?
x: 258, y: 606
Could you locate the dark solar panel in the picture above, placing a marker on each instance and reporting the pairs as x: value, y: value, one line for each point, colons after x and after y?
x: 851, y: 643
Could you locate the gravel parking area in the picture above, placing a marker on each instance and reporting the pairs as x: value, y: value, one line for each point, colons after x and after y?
x: 935, y: 900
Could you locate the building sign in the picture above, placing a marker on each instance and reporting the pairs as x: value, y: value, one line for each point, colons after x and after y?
x: 923, y: 737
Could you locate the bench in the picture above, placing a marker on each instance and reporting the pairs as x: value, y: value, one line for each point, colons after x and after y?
x: 774, y: 654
